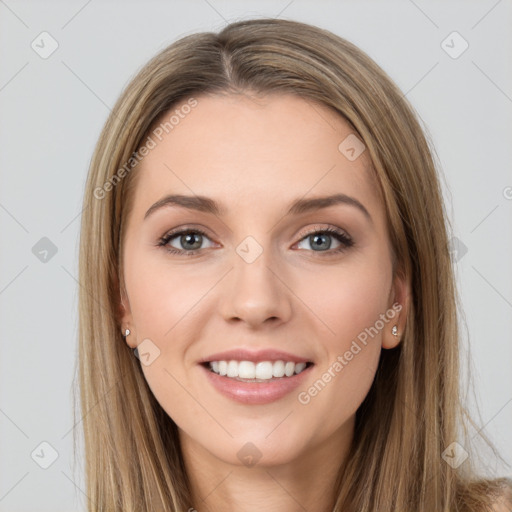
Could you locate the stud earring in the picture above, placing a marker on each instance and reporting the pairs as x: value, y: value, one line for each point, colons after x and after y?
x: 394, y: 330
x: 127, y: 332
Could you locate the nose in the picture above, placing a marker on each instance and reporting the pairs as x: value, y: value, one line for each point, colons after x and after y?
x: 256, y: 293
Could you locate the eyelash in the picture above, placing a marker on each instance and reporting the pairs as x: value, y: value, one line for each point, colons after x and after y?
x: 345, y: 240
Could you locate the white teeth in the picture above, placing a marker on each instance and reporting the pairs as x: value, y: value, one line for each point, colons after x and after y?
x: 289, y: 369
x: 299, y: 367
x: 264, y: 370
x: 246, y: 369
x: 278, y: 369
x: 232, y: 369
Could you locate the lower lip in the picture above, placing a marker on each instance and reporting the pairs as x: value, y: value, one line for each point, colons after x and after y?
x: 255, y: 393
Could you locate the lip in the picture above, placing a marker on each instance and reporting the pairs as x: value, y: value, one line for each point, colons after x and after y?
x: 255, y: 393
x: 242, y: 354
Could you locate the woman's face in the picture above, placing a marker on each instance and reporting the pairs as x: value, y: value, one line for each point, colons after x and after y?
x: 263, y: 281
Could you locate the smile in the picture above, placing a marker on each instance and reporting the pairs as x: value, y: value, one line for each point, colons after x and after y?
x: 268, y: 381
x: 262, y: 371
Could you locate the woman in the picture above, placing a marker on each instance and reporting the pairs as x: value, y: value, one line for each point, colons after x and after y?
x: 268, y: 313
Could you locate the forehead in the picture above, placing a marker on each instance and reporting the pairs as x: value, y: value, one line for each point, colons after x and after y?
x: 247, y: 151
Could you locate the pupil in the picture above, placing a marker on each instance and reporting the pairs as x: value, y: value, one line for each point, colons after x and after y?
x: 326, y: 240
x: 185, y: 239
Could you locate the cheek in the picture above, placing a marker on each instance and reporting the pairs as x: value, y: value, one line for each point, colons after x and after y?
x: 350, y: 305
x: 347, y: 301
x: 161, y: 297
x: 340, y: 387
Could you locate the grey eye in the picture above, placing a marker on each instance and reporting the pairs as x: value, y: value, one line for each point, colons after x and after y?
x: 188, y: 240
x: 318, y: 242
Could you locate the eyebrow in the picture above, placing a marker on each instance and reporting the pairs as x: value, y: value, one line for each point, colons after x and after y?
x: 208, y: 205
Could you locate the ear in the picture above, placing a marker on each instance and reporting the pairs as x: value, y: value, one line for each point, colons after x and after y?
x: 124, y: 316
x: 398, y: 307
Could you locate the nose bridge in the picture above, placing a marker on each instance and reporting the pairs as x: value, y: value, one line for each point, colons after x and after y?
x: 254, y: 293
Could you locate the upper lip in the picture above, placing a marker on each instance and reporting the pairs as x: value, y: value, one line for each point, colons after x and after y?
x: 242, y: 354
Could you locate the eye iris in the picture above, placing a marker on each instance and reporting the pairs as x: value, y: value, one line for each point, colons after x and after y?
x: 322, y: 238
x: 189, y: 238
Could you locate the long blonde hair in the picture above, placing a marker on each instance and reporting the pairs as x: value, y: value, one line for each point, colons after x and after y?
x: 413, y: 410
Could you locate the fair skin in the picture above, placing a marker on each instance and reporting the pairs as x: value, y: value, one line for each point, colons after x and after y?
x: 255, y: 156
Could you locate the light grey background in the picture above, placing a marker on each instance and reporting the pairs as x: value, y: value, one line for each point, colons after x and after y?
x: 52, y: 111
